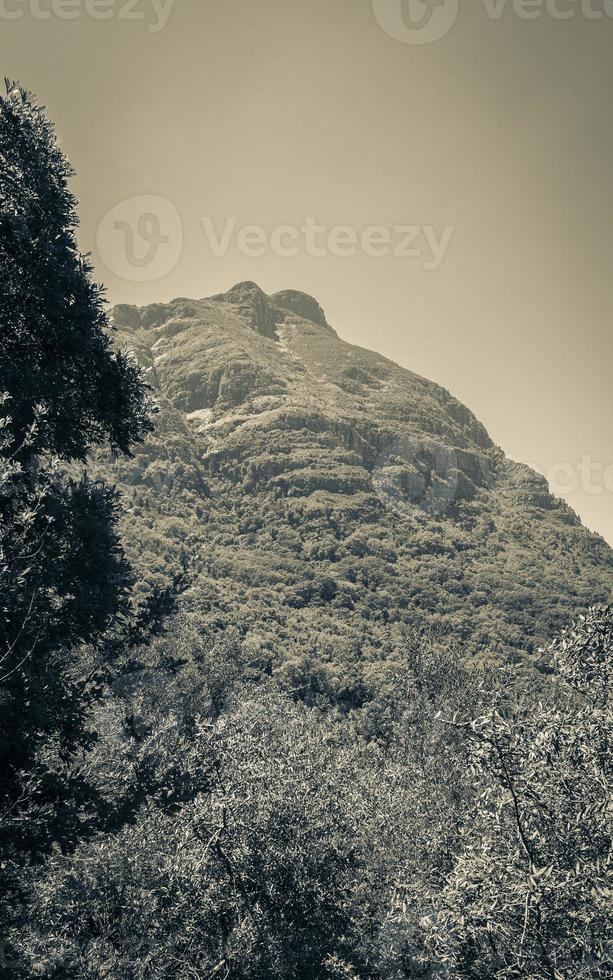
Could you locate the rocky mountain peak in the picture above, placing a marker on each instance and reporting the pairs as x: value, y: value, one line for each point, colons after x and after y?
x: 263, y: 313
x: 244, y: 290
x: 253, y: 306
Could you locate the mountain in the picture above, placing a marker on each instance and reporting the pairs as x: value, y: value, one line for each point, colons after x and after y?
x: 327, y: 502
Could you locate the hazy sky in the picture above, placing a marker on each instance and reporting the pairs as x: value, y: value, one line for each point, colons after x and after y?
x: 490, y: 147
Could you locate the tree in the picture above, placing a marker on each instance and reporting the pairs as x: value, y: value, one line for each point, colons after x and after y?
x: 54, y: 348
x: 63, y: 390
x: 530, y: 891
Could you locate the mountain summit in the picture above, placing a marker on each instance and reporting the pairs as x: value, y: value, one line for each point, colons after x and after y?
x: 327, y: 500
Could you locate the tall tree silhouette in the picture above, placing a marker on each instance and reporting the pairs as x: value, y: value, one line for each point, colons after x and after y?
x: 63, y: 390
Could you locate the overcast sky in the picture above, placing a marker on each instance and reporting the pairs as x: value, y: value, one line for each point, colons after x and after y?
x: 466, y: 153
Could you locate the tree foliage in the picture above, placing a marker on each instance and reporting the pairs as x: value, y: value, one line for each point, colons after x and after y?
x: 54, y: 349
x: 63, y: 577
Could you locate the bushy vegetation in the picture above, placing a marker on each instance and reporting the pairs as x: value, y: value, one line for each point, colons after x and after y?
x: 323, y: 784
x: 530, y: 891
x: 236, y: 831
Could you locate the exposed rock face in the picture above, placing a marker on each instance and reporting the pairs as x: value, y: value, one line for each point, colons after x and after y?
x: 301, y: 304
x: 285, y: 457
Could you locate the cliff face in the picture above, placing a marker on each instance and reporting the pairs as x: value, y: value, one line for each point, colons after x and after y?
x: 285, y: 395
x: 322, y: 495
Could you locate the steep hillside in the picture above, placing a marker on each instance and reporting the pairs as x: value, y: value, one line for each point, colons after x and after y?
x: 325, y: 499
